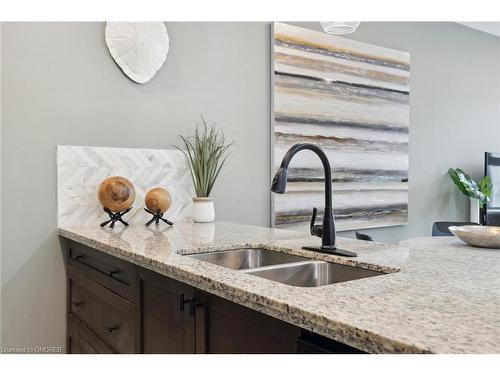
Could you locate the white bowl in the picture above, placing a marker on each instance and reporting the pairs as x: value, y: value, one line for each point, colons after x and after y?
x: 479, y: 236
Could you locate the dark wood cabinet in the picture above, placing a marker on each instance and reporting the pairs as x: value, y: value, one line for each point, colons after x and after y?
x: 114, y: 306
x: 108, y: 315
x: 312, y: 343
x: 106, y: 270
x: 168, y: 322
x: 232, y: 328
x: 81, y: 340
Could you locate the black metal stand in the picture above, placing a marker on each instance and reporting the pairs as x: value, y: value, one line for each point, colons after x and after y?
x: 157, y: 216
x: 114, y: 217
x: 330, y: 250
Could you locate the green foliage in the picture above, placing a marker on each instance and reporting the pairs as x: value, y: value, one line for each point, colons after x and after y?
x: 206, y: 153
x: 486, y: 186
x: 480, y: 190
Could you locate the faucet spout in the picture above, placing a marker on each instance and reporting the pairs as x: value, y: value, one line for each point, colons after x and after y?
x: 279, y: 181
x: 327, y: 230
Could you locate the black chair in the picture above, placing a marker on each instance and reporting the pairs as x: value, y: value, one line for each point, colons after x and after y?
x: 362, y: 236
x: 441, y: 228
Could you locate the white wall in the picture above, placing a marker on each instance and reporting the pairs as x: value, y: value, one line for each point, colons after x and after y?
x: 60, y: 86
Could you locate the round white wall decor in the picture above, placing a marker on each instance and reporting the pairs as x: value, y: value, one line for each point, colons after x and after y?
x: 138, y: 48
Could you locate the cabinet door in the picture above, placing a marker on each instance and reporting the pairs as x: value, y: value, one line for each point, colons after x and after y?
x: 232, y: 328
x: 168, y: 326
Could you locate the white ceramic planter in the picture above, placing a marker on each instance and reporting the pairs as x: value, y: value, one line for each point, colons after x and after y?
x: 474, y: 211
x: 203, y: 210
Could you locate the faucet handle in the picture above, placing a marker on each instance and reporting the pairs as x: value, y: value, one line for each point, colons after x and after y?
x: 316, y: 230
x: 313, y: 219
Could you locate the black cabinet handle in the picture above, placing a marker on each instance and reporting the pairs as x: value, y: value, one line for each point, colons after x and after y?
x: 112, y: 272
x: 182, y: 301
x: 79, y: 256
x: 76, y: 304
x: 111, y: 328
x: 192, y: 304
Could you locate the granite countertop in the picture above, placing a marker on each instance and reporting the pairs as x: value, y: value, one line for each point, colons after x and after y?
x: 440, y: 295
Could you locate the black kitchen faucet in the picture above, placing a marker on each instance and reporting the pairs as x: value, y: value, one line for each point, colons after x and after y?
x: 327, y: 230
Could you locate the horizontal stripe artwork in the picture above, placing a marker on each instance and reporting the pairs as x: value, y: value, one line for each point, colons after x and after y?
x: 340, y: 160
x: 295, y: 56
x: 341, y: 186
x: 352, y: 100
x: 324, y: 71
x: 343, y: 215
x: 320, y: 50
x: 312, y: 105
x: 346, y: 202
x: 343, y: 144
x: 341, y: 131
x: 373, y: 220
x: 341, y: 89
x: 341, y: 123
x: 308, y: 40
x: 348, y: 175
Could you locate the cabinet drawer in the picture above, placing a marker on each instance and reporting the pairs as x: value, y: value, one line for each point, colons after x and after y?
x: 111, y: 272
x: 108, y: 315
x: 81, y: 340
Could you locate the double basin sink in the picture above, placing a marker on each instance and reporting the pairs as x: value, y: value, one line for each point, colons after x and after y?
x: 285, y: 268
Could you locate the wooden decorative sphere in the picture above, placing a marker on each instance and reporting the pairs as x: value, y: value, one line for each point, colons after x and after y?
x: 116, y: 193
x: 158, y: 200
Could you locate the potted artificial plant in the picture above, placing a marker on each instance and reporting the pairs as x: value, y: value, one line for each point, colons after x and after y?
x: 206, y: 152
x: 479, y: 192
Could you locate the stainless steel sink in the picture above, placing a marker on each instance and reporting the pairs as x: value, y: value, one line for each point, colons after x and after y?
x: 284, y: 268
x: 312, y: 273
x: 247, y: 258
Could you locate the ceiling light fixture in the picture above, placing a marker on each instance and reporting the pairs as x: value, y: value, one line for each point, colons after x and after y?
x: 339, y: 27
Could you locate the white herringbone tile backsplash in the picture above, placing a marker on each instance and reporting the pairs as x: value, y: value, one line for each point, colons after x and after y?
x: 80, y: 170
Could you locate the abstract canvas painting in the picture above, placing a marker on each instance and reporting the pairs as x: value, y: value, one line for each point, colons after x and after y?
x: 351, y: 99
